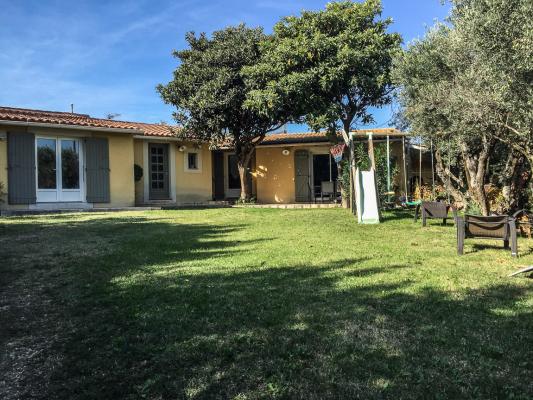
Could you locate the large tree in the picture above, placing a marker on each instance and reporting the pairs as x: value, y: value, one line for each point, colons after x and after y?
x: 500, y: 34
x: 467, y: 85
x: 437, y: 94
x: 335, y: 63
x: 209, y: 92
x: 331, y: 66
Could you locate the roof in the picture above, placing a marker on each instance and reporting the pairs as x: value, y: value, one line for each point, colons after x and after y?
x: 24, y: 115
x: 322, y: 137
x: 9, y: 114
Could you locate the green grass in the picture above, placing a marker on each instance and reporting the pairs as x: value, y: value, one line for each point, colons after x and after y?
x: 258, y: 303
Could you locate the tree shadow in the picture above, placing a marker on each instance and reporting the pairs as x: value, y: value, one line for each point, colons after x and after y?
x: 392, y: 215
x: 296, y: 331
x: 50, y: 268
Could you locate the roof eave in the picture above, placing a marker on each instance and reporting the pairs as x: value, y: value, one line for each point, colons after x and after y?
x: 68, y: 126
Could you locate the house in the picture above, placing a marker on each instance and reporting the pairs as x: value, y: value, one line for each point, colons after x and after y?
x: 55, y: 160
x: 290, y: 167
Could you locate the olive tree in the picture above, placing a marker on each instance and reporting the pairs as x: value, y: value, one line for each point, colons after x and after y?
x: 466, y: 86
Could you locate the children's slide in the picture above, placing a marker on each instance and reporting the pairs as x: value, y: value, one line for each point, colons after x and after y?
x: 367, y: 199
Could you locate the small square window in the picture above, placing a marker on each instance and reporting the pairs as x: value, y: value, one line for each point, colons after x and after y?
x: 192, y: 161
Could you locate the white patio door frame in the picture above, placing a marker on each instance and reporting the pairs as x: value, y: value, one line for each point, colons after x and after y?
x: 59, y: 194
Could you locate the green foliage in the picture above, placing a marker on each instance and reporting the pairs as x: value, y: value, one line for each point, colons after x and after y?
x: 362, y: 161
x: 330, y: 65
x: 209, y: 92
x: 469, y: 84
x: 252, y: 200
x: 344, y: 178
x: 138, y: 172
x: 208, y: 88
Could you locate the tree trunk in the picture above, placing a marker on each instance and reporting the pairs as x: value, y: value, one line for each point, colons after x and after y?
x: 475, y: 163
x: 244, y: 155
x: 508, y: 179
x: 349, y: 145
x: 448, y: 178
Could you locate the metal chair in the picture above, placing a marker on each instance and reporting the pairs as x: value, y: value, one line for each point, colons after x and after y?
x: 434, y: 209
x: 524, y: 222
x: 499, y: 227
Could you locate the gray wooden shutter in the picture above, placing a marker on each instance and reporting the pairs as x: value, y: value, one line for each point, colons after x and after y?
x: 21, y: 168
x: 97, y: 170
x: 301, y: 179
x: 218, y: 175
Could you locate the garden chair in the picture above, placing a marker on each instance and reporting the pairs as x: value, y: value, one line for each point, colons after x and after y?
x: 499, y: 227
x: 524, y: 222
x: 434, y: 209
x: 327, y: 189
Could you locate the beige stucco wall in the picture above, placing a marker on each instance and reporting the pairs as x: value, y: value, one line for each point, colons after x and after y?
x: 187, y: 186
x: 121, y: 181
x: 275, y: 172
x: 274, y: 175
x: 194, y: 187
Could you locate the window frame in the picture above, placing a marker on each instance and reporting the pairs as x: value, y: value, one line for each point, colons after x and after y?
x: 198, y: 168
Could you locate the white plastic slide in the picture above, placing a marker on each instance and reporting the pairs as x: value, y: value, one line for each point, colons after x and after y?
x: 366, y: 197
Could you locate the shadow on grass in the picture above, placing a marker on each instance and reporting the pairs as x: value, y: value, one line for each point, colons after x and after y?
x: 57, y: 271
x: 296, y: 331
x: 152, y: 315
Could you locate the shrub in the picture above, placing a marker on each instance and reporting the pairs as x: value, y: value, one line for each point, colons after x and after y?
x: 137, y: 172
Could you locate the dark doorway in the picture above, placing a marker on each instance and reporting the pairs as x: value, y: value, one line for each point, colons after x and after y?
x: 159, y: 172
x: 324, y: 169
x: 218, y: 175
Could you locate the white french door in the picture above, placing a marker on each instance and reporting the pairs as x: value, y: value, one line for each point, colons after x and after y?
x: 59, y: 164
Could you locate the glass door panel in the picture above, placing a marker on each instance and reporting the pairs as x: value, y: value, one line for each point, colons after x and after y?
x: 59, y: 166
x: 70, y: 164
x: 46, y: 164
x: 233, y: 179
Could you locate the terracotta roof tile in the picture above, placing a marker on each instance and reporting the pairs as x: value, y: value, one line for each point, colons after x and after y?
x: 66, y: 118
x: 161, y: 130
x: 320, y: 137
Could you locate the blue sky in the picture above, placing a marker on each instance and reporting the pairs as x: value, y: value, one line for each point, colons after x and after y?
x: 108, y: 56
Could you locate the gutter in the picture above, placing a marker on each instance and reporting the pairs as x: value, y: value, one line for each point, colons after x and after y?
x: 65, y: 126
x: 293, y: 144
x: 167, y: 139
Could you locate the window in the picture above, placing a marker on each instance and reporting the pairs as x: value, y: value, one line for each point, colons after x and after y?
x: 193, y: 162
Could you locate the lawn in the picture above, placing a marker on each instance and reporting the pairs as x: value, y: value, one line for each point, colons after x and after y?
x: 258, y: 303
